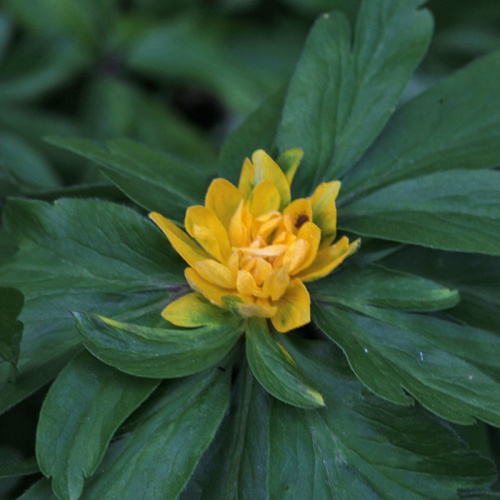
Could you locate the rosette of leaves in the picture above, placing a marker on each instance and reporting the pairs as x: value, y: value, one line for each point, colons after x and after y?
x: 404, y: 339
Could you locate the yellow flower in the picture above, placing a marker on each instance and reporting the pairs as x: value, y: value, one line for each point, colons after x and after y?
x: 251, y: 249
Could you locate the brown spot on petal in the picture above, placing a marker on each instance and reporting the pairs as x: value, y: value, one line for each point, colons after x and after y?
x: 301, y: 219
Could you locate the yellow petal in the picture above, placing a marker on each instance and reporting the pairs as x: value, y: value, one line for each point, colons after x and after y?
x: 267, y: 251
x: 204, y: 226
x: 264, y: 225
x: 296, y: 255
x: 213, y: 293
x: 261, y: 168
x: 276, y: 283
x: 192, y: 310
x: 311, y: 233
x: 182, y: 243
x: 245, y: 283
x: 294, y: 308
x: 324, y: 209
x: 262, y: 269
x: 265, y: 198
x: 216, y: 273
x: 300, y: 212
x: 240, y: 226
x: 289, y: 161
x: 259, y: 309
x: 328, y: 258
x: 223, y: 200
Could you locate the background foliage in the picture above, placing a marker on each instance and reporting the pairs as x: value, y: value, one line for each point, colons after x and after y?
x: 152, y: 89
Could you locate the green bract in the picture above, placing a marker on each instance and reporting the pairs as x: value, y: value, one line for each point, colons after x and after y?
x: 367, y: 400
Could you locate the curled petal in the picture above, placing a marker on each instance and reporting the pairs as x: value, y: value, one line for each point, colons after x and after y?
x: 294, y: 308
x: 324, y: 209
x: 216, y: 273
x: 212, y: 292
x: 296, y: 255
x: 300, y: 212
x: 276, y: 283
x: 311, y: 233
x: 265, y: 198
x: 240, y: 227
x: 259, y: 309
x: 289, y: 161
x: 188, y: 249
x: 204, y: 226
x: 328, y: 258
x: 263, y: 167
x: 193, y: 310
x: 246, y: 282
x: 223, y: 200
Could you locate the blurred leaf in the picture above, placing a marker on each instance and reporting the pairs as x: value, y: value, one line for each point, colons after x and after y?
x: 32, y: 124
x: 35, y: 67
x: 258, y: 131
x: 275, y: 369
x: 454, y: 210
x: 475, y: 276
x: 24, y: 165
x: 80, y: 255
x: 381, y: 287
x: 153, y: 179
x: 317, y: 7
x: 157, y: 459
x: 453, y: 125
x: 6, y: 29
x: 235, y: 465
x: 83, y: 409
x: 41, y: 490
x: 13, y: 465
x: 343, y: 92
x: 451, y: 369
x: 360, y: 446
x: 204, y: 58
x: 114, y: 108
x: 80, y: 20
x: 11, y: 329
x: 158, y: 352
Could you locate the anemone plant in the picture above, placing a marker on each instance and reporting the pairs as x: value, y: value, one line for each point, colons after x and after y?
x: 326, y: 338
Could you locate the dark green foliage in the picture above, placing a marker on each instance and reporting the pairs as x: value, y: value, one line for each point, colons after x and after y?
x: 403, y: 347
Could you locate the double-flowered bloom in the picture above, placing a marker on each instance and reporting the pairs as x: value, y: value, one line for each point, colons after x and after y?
x: 250, y: 249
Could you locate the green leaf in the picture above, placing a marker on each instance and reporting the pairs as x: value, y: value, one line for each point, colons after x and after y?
x: 343, y: 91
x: 454, y: 210
x: 84, y: 407
x: 206, y: 58
x: 275, y: 369
x: 13, y: 465
x: 158, y: 352
x: 258, y: 131
x: 360, y: 446
x: 24, y: 165
x: 381, y: 287
x: 158, y: 457
x: 235, y: 465
x: 454, y: 124
x: 153, y: 179
x: 115, y: 108
x: 451, y: 369
x: 41, y: 490
x: 70, y: 18
x: 317, y: 7
x: 475, y: 276
x: 11, y: 329
x: 80, y: 255
x: 36, y: 67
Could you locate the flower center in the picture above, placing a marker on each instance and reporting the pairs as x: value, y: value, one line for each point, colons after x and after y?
x: 266, y: 251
